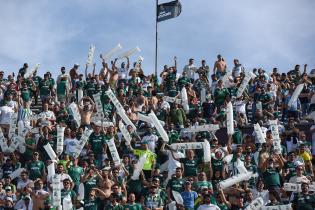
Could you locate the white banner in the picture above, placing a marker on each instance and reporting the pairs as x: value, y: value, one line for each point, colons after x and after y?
x: 124, y: 132
x: 188, y: 145
x: 259, y: 134
x: 60, y: 138
x: 138, y: 167
x: 184, y: 98
x: 113, y: 151
x: 89, y: 60
x: 80, y: 94
x: 120, y: 109
x: 51, y: 153
x: 249, y: 75
x: 172, y: 99
x: 229, y: 119
x: 255, y: 204
x: 294, y: 187
x: 99, y: 106
x: 16, y: 173
x: 75, y: 112
x: 235, y: 179
x: 129, y: 53
x: 159, y: 127
x: 296, y: 94
x: 110, y: 53
x: 199, y: 128
x: 56, y: 194
x: 81, y: 192
x: 278, y: 207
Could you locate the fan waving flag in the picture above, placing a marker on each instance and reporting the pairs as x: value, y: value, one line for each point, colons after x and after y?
x: 168, y: 10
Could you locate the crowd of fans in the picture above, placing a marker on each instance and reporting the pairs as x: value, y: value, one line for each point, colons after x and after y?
x: 165, y: 169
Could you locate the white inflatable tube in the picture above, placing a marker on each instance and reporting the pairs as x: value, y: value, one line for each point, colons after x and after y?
x: 89, y: 60
x: 124, y: 132
x: 31, y: 72
x: 235, y: 179
x: 129, y: 52
x: 75, y: 112
x: 60, y: 139
x: 208, y: 127
x: 259, y: 134
x: 16, y: 173
x: 206, y: 151
x: 296, y: 94
x: 56, y: 186
x: 120, y: 109
x: 51, y: 170
x: 113, y: 151
x: 189, y: 145
x: 225, y: 78
x: 99, y: 106
x: 13, y: 126
x: 172, y: 99
x: 51, y: 153
x: 138, y: 167
x: 159, y: 127
x: 147, y: 119
x: 184, y: 98
x: 110, y: 53
x: 178, y: 198
x: 249, y: 75
x: 203, y: 95
x: 230, y: 119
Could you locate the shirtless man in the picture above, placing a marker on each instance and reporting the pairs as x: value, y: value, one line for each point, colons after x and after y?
x: 105, y: 184
x: 220, y: 67
x: 86, y: 110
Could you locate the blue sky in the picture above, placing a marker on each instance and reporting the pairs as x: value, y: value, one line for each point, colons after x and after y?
x: 58, y: 33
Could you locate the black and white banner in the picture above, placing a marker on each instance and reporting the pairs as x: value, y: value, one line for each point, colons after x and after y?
x: 168, y: 10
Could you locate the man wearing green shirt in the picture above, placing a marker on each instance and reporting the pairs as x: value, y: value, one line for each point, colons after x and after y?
x: 76, y: 173
x: 97, y: 143
x: 176, y: 183
x: 220, y: 93
x: 36, y: 168
x: 45, y: 88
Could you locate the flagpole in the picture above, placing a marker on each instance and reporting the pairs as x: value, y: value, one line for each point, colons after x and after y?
x: 156, y: 35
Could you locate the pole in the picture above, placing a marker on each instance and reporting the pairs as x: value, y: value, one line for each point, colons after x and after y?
x: 156, y: 35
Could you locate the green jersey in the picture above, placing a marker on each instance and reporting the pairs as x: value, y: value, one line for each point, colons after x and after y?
x: 45, y: 87
x: 190, y: 166
x: 271, y: 177
x: 26, y: 94
x: 35, y: 169
x: 220, y: 95
x: 114, y: 207
x: 88, y: 185
x: 176, y: 184
x: 75, y: 174
x: 199, y: 184
x: 304, y: 202
x: 90, y: 204
x: 134, y: 206
x: 97, y: 142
